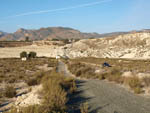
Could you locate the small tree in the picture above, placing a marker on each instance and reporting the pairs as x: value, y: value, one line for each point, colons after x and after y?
x: 32, y: 55
x: 23, y: 54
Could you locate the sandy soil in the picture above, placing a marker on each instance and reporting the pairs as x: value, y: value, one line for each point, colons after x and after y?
x: 15, y: 51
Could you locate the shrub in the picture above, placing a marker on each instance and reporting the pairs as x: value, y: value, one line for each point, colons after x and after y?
x: 32, y: 82
x: 82, y: 70
x: 84, y: 108
x: 146, y: 81
x: 23, y: 54
x: 54, y: 96
x: 29, y: 109
x: 10, y: 92
x: 69, y: 84
x: 137, y: 90
x: 134, y: 82
x: 32, y: 55
x: 102, y: 76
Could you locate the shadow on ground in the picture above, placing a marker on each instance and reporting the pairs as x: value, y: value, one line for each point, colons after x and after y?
x: 77, y: 99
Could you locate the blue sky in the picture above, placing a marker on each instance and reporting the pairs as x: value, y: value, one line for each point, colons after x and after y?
x: 100, y: 16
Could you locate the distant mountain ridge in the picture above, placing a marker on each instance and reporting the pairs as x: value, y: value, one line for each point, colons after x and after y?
x: 2, y: 33
x: 48, y: 33
x: 58, y: 33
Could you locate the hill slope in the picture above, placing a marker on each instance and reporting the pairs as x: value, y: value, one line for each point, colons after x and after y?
x: 130, y: 45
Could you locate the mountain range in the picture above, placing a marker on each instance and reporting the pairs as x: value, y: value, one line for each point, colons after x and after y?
x: 57, y: 33
x: 47, y: 34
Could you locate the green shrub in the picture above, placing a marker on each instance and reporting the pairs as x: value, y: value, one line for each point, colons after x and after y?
x: 23, y: 54
x: 32, y: 54
x: 10, y: 92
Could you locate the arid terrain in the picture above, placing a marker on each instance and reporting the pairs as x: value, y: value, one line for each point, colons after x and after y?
x: 133, y: 45
x: 107, y: 75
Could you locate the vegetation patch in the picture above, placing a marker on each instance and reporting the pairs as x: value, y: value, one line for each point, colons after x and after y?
x: 10, y: 91
x: 55, y: 91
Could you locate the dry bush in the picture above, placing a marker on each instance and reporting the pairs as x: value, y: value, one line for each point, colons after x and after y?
x: 10, y: 92
x: 32, y: 82
x: 35, y: 79
x: 137, y: 90
x: 84, y: 108
x: 146, y: 81
x: 102, y: 76
x: 29, y: 109
x: 55, y: 96
x: 82, y: 70
x: 69, y: 85
x: 19, y: 71
x: 54, y: 92
x: 134, y: 83
x: 115, y: 75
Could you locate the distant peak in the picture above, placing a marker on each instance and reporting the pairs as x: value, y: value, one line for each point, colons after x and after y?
x: 21, y: 30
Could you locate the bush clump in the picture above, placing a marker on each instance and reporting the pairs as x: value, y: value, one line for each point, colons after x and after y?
x: 29, y: 109
x: 82, y: 70
x: 56, y: 88
x: 135, y: 84
x: 32, y: 54
x: 23, y: 54
x: 10, y: 92
x: 32, y: 82
x: 84, y: 108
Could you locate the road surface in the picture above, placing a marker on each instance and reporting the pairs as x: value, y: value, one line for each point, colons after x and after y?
x: 105, y: 97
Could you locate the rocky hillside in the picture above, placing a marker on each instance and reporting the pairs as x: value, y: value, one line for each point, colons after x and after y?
x: 130, y: 45
x: 48, y: 34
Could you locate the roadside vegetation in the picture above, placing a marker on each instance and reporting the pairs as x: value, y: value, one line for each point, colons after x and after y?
x: 120, y: 64
x: 14, y: 72
x: 86, y: 68
x: 56, y: 88
x: 55, y: 91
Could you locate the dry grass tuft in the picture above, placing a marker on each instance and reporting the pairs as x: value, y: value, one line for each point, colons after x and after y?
x: 9, y: 92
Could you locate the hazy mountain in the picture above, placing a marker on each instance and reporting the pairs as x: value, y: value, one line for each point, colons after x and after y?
x: 49, y: 33
x: 59, y: 33
x: 2, y: 34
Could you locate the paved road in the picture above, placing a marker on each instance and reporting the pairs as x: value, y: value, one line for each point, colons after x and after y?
x: 104, y: 97
x: 62, y: 68
x: 108, y: 98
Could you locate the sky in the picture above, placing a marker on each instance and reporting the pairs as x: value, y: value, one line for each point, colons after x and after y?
x: 102, y: 16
